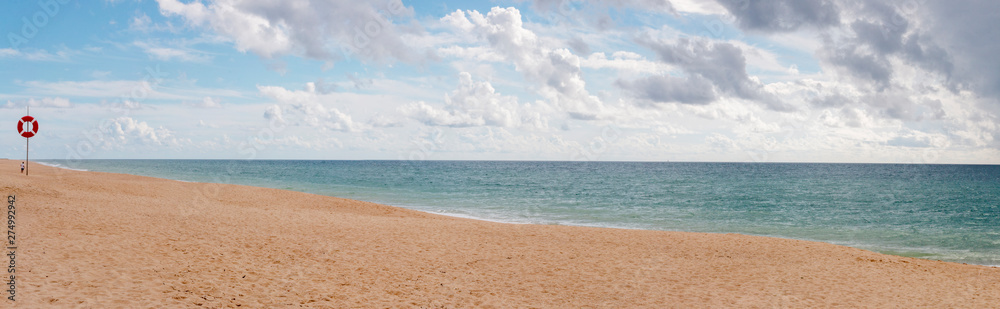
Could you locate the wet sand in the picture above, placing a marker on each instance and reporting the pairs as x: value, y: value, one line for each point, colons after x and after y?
x: 100, y: 240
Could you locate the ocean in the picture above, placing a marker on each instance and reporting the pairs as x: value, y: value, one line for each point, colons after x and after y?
x: 939, y: 212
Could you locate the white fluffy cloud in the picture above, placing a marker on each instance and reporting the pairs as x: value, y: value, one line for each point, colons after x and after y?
x: 768, y: 80
x: 476, y: 104
x: 306, y: 107
x: 35, y: 55
x: 126, y: 132
x: 8, y: 52
x: 94, y: 88
x: 625, y: 61
x: 43, y: 102
x: 564, y: 5
x: 206, y: 102
x: 162, y: 53
x: 323, y: 30
x: 273, y: 113
x: 556, y: 70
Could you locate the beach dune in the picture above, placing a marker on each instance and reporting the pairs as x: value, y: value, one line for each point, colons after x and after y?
x: 101, y: 240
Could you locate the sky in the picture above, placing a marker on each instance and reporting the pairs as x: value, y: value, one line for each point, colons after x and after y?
x: 871, y: 81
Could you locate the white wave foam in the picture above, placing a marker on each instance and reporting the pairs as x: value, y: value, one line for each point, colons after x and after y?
x: 57, y: 165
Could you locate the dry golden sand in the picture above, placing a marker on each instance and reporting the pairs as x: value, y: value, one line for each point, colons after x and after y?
x: 99, y: 240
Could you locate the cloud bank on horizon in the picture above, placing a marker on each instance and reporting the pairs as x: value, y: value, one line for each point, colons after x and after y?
x: 914, y: 81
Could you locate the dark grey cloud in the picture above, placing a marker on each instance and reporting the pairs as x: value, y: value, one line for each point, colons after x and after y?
x: 663, y: 89
x: 898, y: 106
x: 864, y: 38
x: 893, y: 106
x: 782, y: 15
x: 578, y: 46
x: 966, y: 31
x: 881, y: 37
x: 712, y: 69
x: 860, y: 63
x: 832, y: 100
x: 902, y: 107
x: 721, y: 63
x: 881, y: 33
x: 928, y: 55
x: 323, y: 87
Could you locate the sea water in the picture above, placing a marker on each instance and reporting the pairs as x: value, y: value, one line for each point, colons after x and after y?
x: 941, y: 212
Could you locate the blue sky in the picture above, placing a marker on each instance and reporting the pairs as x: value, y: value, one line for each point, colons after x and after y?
x: 636, y: 80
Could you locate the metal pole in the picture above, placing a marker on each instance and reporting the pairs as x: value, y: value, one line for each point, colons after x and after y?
x: 26, y: 140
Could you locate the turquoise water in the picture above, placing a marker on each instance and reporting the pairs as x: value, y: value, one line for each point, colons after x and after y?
x: 941, y: 212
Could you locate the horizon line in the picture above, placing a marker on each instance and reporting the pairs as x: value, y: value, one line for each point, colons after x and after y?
x: 528, y: 160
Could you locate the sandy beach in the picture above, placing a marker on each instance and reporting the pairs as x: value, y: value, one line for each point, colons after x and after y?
x: 100, y: 240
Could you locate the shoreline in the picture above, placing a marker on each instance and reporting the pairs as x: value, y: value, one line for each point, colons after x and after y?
x: 103, y: 239
x: 471, y: 217
x: 914, y: 252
